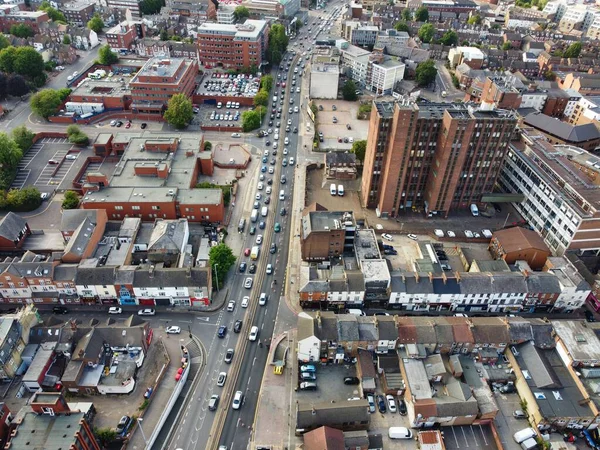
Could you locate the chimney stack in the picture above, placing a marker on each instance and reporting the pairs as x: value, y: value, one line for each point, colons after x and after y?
x: 444, y: 277
x: 417, y: 277
x: 431, y: 277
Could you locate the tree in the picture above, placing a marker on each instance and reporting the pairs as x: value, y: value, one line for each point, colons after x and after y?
x: 359, y: 148
x: 23, y: 137
x: 573, y: 50
x: 364, y: 111
x: 426, y: 32
x: 76, y: 136
x: 507, y: 46
x: 106, y: 56
x: 70, y: 200
x: 4, y: 42
x: 164, y: 36
x: 45, y: 103
x: 251, y: 120
x: 28, y: 62
x: 278, y: 42
x: 17, y: 86
x: 241, y: 13
x: 95, y: 23
x: 349, y: 91
x: 449, y: 38
x: 549, y: 75
x: 53, y: 13
x: 105, y: 435
x: 402, y: 26
x: 406, y: 15
x: 179, y: 111
x: 421, y: 14
x: 66, y: 40
x: 474, y: 20
x: 10, y: 153
x: 150, y: 7
x: 426, y: 73
x: 25, y: 199
x: 7, y: 59
x: 262, y: 98
x: 221, y: 256
x: 21, y: 30
x: 266, y: 83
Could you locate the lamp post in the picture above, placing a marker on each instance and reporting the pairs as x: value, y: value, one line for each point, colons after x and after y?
x: 217, y: 275
x: 140, y: 420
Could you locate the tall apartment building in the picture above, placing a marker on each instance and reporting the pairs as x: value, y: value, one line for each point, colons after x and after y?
x: 233, y: 46
x: 432, y: 158
x: 78, y: 13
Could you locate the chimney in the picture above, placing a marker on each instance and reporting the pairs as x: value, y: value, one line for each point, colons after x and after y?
x: 417, y: 277
x: 430, y: 277
x: 444, y: 277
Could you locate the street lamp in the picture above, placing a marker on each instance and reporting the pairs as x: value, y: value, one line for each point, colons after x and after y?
x: 140, y: 420
x: 216, y: 275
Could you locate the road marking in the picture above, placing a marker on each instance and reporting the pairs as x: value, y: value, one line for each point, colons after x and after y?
x: 465, y: 435
x: 474, y: 435
x: 253, y: 361
x: 206, y: 319
x: 483, y: 434
x: 455, y: 439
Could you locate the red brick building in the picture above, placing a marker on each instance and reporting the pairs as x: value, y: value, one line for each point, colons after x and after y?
x: 10, y: 16
x: 233, y: 46
x: 124, y: 35
x: 13, y: 231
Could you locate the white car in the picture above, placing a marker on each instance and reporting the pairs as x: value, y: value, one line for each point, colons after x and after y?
x: 245, y: 301
x: 248, y: 283
x: 236, y: 135
x: 468, y: 233
x: 413, y: 237
x: 113, y: 123
x: 451, y: 234
x: 173, y: 330
x: 262, y: 301
x: 285, y: 151
x: 298, y: 89
x: 387, y: 237
x: 115, y: 310
x: 253, y: 334
x: 44, y: 195
x: 391, y: 403
x: 146, y: 312
x: 260, y: 186
x: 231, y: 306
x: 296, y: 109
x: 259, y: 239
x: 438, y: 233
x: 269, y: 269
x: 238, y: 398
x: 222, y: 378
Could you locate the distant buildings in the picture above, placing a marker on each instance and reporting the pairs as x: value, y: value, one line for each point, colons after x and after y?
x: 11, y: 15
x: 585, y: 136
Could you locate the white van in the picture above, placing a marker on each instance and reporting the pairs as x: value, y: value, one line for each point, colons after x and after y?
x: 474, y: 209
x: 399, y: 433
x: 282, y: 195
x: 356, y: 312
x: 340, y: 190
x: 524, y: 434
x: 332, y: 189
x: 264, y: 211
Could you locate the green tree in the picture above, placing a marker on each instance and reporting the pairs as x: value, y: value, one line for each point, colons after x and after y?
x: 426, y: 32
x: 25, y: 199
x: 474, y: 20
x: 406, y: 15
x: 105, y: 435
x: 106, y: 56
x: 449, y: 38
x: 28, y: 62
x: 241, y: 13
x: 349, y: 91
x: 7, y: 59
x: 266, y: 83
x: 262, y: 98
x: 222, y: 257
x: 250, y: 120
x: 507, y: 46
x: 66, y: 39
x: 164, y: 36
x: 95, y: 23
x: 364, y: 111
x: 421, y: 14
x: 17, y: 86
x: 278, y: 42
x: 150, y: 7
x: 63, y: 93
x: 549, y: 75
x: 4, y: 42
x: 53, y: 13
x: 10, y: 153
x: 426, y: 73
x: 45, y: 103
x: 23, y: 137
x: 359, y: 148
x: 402, y: 26
x: 179, y: 112
x: 21, y: 30
x: 573, y: 50
x: 70, y: 200
x: 76, y: 136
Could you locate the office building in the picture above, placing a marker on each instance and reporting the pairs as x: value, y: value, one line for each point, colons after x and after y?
x: 123, y: 5
x: 11, y: 15
x: 432, y: 158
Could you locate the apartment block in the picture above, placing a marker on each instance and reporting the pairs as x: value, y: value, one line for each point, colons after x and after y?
x: 78, y: 13
x: 233, y: 46
x: 355, y: 62
x: 11, y: 15
x: 585, y: 110
x: 124, y: 35
x: 122, y: 5
x: 432, y: 158
x: 576, y: 18
x: 384, y: 75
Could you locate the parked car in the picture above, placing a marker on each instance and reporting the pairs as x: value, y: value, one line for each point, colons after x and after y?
x: 412, y: 236
x: 308, y: 368
x: 381, y: 404
x: 391, y: 403
x: 123, y: 425
x: 351, y: 380
x: 387, y: 237
x: 371, y: 400
x: 146, y: 312
x: 173, y: 330
x: 589, y: 316
x: 402, y: 407
x: 307, y: 376
x: 308, y: 386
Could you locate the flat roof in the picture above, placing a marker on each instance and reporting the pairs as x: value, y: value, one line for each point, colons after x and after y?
x: 152, y: 195
x: 417, y: 379
x: 580, y: 341
x: 106, y: 87
x: 56, y: 432
x: 249, y: 29
x: 161, y: 66
x: 365, y: 245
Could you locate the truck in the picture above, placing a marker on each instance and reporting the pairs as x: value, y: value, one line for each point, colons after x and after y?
x: 254, y: 215
x: 254, y: 253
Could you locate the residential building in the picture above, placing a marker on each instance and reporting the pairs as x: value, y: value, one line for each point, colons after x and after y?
x: 324, y: 73
x: 575, y: 290
x: 123, y: 35
x: 519, y: 244
x: 11, y: 346
x: 524, y: 18
x: 168, y: 76
x: 432, y: 158
x: 593, y: 31
x: 9, y: 16
x: 344, y: 415
x: 78, y: 13
x: 84, y: 38
x: 500, y: 92
x: 392, y: 41
x: 340, y: 166
x: 14, y: 230
x: 330, y: 288
x: 586, y: 110
x: 359, y: 34
x: 326, y: 234
x: 584, y: 83
x: 163, y: 286
x: 585, y: 136
x: 576, y: 17
x: 233, y: 46
x: 123, y: 5
x: 471, y: 56
x: 202, y: 10
x: 324, y: 438
x: 5, y: 420
x: 559, y: 186
x: 355, y: 63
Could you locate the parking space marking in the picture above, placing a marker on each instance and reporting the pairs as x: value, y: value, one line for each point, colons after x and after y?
x: 483, y: 434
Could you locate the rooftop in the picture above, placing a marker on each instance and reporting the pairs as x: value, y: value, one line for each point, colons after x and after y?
x: 516, y: 239
x: 107, y: 87
x: 365, y: 245
x: 250, y: 29
x: 581, y: 342
x: 164, y: 67
x: 562, y: 130
x: 43, y: 431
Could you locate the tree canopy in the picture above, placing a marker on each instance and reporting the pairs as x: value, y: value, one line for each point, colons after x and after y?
x: 402, y: 26
x: 96, y: 23
x: 150, y: 7
x: 349, y: 91
x: 76, y: 136
x: 426, y: 32
x: 359, y: 148
x: 262, y: 98
x: 23, y: 137
x: 106, y: 56
x: 28, y: 62
x: 21, y: 30
x: 278, y: 42
x: 421, y: 14
x: 4, y: 42
x: 179, y: 112
x: 573, y: 50
x: 474, y: 20
x: 70, y: 200
x: 223, y: 258
x: 53, y: 13
x: 241, y: 13
x: 266, y: 82
x: 406, y: 14
x: 426, y: 73
x: 450, y: 37
x: 45, y: 102
x: 17, y: 86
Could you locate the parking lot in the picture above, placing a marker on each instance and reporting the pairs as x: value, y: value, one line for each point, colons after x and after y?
x: 506, y: 424
x: 345, y: 114
x: 469, y: 436
x: 219, y: 84
x: 223, y: 116
x: 330, y: 380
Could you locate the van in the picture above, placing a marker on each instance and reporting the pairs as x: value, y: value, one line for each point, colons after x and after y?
x: 254, y: 215
x: 474, y: 209
x: 340, y: 190
x: 332, y: 189
x: 399, y: 433
x: 356, y: 312
x: 282, y: 195
x: 524, y: 434
x: 529, y: 444
x: 264, y: 211
x: 241, y: 225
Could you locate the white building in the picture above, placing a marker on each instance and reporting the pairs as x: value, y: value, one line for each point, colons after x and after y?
x: 573, y: 101
x: 556, y: 8
x: 578, y: 17
x: 324, y: 73
x: 587, y: 109
x: 384, y: 76
x: 309, y: 345
x: 535, y: 100
x: 225, y: 14
x: 575, y: 290
x: 355, y: 62
x: 392, y: 39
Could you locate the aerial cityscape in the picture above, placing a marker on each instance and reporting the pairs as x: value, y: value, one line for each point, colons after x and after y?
x: 299, y: 224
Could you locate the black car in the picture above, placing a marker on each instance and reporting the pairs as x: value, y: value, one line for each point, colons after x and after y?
x: 252, y: 268
x: 242, y: 266
x: 237, y: 326
x: 268, y: 143
x: 351, y: 380
x: 267, y: 200
x: 60, y: 310
x: 387, y: 251
x: 283, y: 212
x: 273, y: 248
x: 589, y: 316
x: 269, y: 182
x: 222, y: 331
x: 143, y: 125
x: 295, y: 129
x: 283, y: 180
x: 381, y: 404
x: 402, y: 407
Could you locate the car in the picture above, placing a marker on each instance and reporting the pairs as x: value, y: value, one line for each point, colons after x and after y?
x: 213, y: 403
x: 399, y: 433
x: 273, y: 248
x: 228, y: 356
x: 248, y: 283
x: 308, y: 368
x: 52, y: 161
x: 237, y: 326
x: 259, y: 239
x: 468, y: 234
x: 253, y: 335
x: 256, y: 204
x: 262, y: 300
x: 387, y: 237
x: 143, y: 125
x: 173, y: 329
x: 252, y: 268
x: 263, y: 169
x: 222, y: 378
x: 269, y: 269
x: 115, y: 310
x: 283, y: 179
x: 283, y: 212
x: 351, y: 380
x: 258, y: 196
x: 222, y: 331
x: 60, y: 310
x: 247, y: 250
x: 119, y: 124
x: 146, y: 312
x: 262, y: 225
x: 245, y: 301
x: 519, y: 414
x: 391, y: 403
x: 412, y: 236
x: 381, y: 404
x: 123, y: 425
x: 402, y: 407
x: 238, y: 398
x: 451, y: 234
x: 128, y: 125
x: 308, y: 386
x: 231, y: 306
x: 589, y: 316
x: 277, y: 227
x: 243, y: 267
x: 271, y: 170
x: 285, y: 151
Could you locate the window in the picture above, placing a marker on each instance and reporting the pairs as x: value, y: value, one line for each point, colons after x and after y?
x: 135, y: 208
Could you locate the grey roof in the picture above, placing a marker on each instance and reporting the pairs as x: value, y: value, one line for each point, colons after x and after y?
x: 537, y: 367
x: 347, y: 326
x: 367, y: 328
x: 326, y: 326
x: 72, y: 218
x: 171, y: 277
x: 11, y: 225
x: 53, y: 432
x: 305, y: 327
x: 387, y: 328
x: 519, y: 330
x: 343, y: 415
x: 446, y: 286
x: 125, y: 275
x: 562, y: 130
x: 543, y: 282
x: 104, y: 276
x: 65, y: 272
x: 340, y: 158
x: 488, y: 330
x: 418, y: 286
x: 81, y: 237
x: 543, y: 333
x: 509, y: 283
x: 168, y: 236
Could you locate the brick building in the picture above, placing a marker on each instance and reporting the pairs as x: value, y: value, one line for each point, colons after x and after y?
x: 9, y: 17
x: 124, y: 35
x: 78, y: 13
x: 13, y: 231
x: 519, y: 244
x: 433, y: 158
x: 585, y: 136
x: 233, y: 46
x: 325, y: 234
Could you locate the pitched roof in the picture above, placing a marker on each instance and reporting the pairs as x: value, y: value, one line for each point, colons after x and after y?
x: 488, y: 330
x: 104, y: 276
x: 11, y: 226
x: 562, y: 130
x: 516, y: 239
x: 171, y: 277
x: 324, y: 438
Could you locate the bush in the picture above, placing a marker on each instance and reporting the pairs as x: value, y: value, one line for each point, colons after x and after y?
x: 364, y: 111
x: 25, y: 199
x: 71, y: 200
x: 76, y: 136
x: 207, y: 146
x: 23, y: 137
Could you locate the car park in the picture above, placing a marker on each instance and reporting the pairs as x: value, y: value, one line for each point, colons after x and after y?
x: 381, y: 404
x: 391, y: 403
x: 115, y: 310
x: 222, y: 331
x: 173, y: 329
x: 222, y: 378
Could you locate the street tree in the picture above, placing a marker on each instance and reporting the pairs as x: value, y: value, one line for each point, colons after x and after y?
x: 421, y: 14
x: 278, y: 42
x: 4, y: 42
x: 28, y: 62
x: 221, y: 258
x: 96, y: 23
x: 266, y: 82
x: 549, y: 75
x: 426, y: 32
x: 426, y: 73
x: 23, y: 137
x: 359, y: 148
x: 70, y: 200
x: 474, y: 20
x: 241, y: 13
x: 349, y: 91
x: 179, y: 111
x: 45, y: 102
x: 250, y: 120
x: 106, y: 56
x: 262, y: 98
x: 17, y: 86
x: 7, y: 59
x: 402, y: 26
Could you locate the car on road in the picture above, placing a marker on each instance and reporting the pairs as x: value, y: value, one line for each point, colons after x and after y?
x: 387, y: 237
x: 391, y: 403
x: 371, y: 400
x: 237, y: 326
x: 252, y: 268
x: 60, y: 310
x: 143, y: 125
x: 245, y: 301
x: 231, y: 306
x: 115, y: 310
x: 283, y: 211
x: 146, y: 312
x: 589, y: 316
x: 228, y: 356
x: 412, y: 236
x: 259, y: 239
x: 262, y: 225
x: 222, y: 378
x: 236, y: 135
x: 283, y: 179
x: 308, y: 368
x: 247, y: 252
x: 269, y: 269
x: 248, y: 283
x: 213, y: 403
x: 174, y: 329
x: 262, y: 300
x: 271, y: 169
x: 238, y: 398
x: 243, y: 267
x: 253, y: 334
x: 123, y: 426
x: 273, y: 248
x: 44, y: 195
x: 381, y: 404
x: 222, y: 331
x: 277, y: 227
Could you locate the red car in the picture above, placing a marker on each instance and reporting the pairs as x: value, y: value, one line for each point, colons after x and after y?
x: 247, y: 252
x: 283, y: 84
